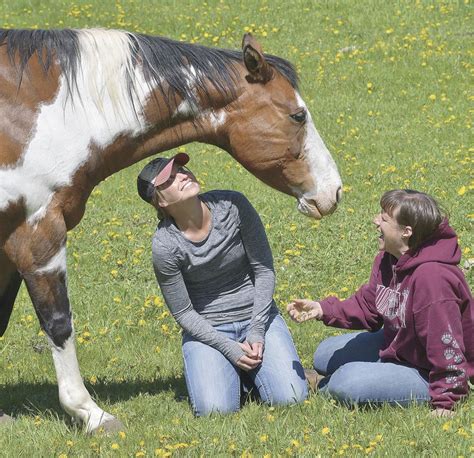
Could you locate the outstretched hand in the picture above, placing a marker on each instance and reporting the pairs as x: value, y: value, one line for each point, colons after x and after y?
x: 304, y: 309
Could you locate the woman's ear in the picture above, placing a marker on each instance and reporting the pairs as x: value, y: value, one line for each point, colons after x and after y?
x: 407, y: 232
x: 158, y: 201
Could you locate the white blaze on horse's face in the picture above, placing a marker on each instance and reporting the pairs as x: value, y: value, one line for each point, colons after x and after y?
x: 322, y: 199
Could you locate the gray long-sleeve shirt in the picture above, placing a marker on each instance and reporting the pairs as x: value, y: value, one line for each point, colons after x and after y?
x: 226, y: 277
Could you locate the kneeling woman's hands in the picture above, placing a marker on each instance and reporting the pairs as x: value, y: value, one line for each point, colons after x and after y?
x: 253, y: 355
x: 303, y: 310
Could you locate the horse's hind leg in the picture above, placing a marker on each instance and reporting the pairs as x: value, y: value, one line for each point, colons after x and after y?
x: 45, y: 279
x: 10, y: 281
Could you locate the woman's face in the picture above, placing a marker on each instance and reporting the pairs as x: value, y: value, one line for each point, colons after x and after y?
x: 180, y: 186
x: 393, y: 236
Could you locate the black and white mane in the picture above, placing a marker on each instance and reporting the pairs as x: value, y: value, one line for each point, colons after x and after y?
x: 175, y: 68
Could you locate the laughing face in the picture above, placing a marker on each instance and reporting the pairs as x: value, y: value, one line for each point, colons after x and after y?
x: 393, y: 237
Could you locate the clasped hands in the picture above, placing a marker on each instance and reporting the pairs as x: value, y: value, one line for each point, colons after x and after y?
x: 253, y: 355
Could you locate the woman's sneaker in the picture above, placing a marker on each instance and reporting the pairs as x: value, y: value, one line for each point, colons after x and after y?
x: 313, y: 378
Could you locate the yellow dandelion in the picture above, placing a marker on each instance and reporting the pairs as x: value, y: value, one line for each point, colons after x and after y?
x: 462, y: 190
x: 432, y: 97
x: 115, y: 446
x: 263, y: 438
x: 325, y: 431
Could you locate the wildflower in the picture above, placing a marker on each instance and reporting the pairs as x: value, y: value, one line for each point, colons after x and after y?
x: 325, y: 431
x: 263, y: 438
x: 115, y: 446
x: 432, y: 97
x: 462, y: 190
x: 122, y: 434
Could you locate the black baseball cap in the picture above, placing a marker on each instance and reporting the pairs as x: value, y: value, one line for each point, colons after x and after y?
x: 156, y: 173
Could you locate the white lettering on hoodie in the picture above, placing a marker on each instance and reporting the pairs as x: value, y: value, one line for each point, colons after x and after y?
x: 391, y: 303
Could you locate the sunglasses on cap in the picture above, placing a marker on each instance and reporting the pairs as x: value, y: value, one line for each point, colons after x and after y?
x: 180, y: 169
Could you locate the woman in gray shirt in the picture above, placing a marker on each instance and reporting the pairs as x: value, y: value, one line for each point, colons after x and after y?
x: 214, y: 266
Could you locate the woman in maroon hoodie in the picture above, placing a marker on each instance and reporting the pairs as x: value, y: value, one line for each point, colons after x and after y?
x: 418, y: 308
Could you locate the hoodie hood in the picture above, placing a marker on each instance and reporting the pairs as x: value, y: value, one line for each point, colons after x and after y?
x: 441, y: 247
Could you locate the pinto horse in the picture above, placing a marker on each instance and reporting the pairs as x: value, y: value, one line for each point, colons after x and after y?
x: 78, y: 105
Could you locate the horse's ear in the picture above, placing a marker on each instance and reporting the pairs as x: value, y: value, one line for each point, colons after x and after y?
x: 260, y: 70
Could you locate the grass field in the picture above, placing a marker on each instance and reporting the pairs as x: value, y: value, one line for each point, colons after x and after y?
x: 389, y: 85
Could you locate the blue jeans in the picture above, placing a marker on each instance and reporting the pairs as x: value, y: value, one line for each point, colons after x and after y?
x: 214, y: 383
x: 355, y: 374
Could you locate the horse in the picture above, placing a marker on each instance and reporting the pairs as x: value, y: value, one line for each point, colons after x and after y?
x: 79, y: 105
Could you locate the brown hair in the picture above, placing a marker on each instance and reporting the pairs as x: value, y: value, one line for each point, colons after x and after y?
x: 415, y: 209
x: 160, y: 211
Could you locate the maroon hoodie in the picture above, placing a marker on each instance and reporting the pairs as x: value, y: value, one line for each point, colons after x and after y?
x: 426, y: 308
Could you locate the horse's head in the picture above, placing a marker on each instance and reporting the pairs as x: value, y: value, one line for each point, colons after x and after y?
x: 269, y: 130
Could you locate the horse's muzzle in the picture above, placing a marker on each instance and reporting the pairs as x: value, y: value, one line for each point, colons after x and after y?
x: 318, y: 208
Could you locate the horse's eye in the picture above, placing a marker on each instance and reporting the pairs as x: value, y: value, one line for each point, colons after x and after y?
x: 300, y: 116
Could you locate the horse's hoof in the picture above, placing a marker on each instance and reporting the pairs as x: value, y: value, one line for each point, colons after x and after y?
x: 4, y: 418
x: 109, y: 427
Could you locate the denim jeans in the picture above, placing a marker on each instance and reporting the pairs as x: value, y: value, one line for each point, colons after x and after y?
x: 214, y: 383
x: 355, y: 374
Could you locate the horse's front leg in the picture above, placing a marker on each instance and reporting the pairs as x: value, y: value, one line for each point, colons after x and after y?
x: 48, y: 291
x: 45, y: 279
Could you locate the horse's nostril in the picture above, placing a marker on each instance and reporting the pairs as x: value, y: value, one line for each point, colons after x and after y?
x: 339, y: 194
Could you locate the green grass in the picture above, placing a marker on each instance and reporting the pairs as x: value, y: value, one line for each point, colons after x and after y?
x: 388, y: 87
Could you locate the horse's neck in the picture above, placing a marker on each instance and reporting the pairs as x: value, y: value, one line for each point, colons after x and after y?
x: 169, y: 127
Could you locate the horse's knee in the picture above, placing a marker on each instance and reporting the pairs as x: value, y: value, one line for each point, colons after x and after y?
x: 58, y: 326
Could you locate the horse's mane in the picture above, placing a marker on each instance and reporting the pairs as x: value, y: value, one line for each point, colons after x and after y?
x: 166, y: 63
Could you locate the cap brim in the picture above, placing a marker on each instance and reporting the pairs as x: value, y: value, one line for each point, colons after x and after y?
x: 162, y: 177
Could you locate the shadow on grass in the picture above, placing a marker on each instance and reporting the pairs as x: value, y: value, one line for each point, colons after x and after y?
x: 42, y: 398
